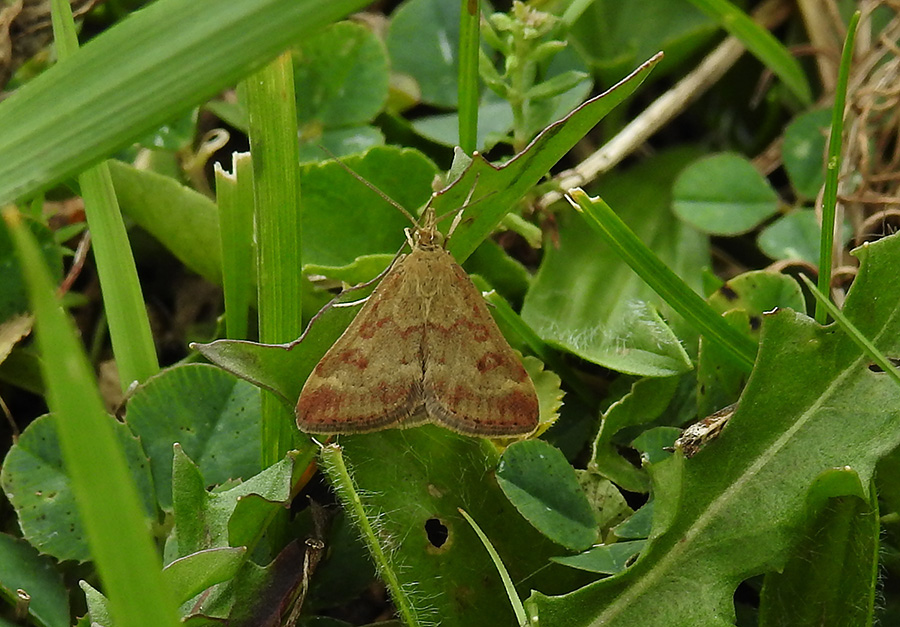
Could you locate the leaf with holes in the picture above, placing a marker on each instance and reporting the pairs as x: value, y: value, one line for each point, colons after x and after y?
x: 735, y: 508
x: 412, y: 503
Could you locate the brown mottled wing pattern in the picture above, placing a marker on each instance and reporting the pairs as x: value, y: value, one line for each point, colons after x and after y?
x: 474, y: 383
x: 372, y: 377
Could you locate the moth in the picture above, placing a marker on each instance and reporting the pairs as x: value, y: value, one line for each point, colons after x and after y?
x: 423, y: 348
x: 702, y: 432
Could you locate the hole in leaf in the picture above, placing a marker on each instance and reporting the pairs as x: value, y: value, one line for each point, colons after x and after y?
x: 728, y: 292
x: 876, y: 368
x: 437, y: 532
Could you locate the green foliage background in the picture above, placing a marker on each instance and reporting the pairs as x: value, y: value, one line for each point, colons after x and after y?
x: 156, y: 503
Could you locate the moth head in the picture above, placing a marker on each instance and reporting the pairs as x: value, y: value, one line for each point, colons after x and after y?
x: 428, y: 238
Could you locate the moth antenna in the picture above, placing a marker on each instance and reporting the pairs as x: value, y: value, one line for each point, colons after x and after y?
x: 459, y: 211
x: 456, y: 220
x: 368, y: 184
x: 352, y: 303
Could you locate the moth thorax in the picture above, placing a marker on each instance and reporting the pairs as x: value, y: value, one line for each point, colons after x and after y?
x: 429, y: 238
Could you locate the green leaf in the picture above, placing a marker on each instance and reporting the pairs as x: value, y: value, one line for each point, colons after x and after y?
x: 656, y: 444
x: 638, y: 525
x: 495, y: 120
x: 803, y: 151
x: 341, y: 77
x: 23, y: 568
x: 834, y: 569
x: 833, y: 167
x: 189, y: 504
x: 124, y: 77
x: 610, y: 507
x: 615, y: 35
x: 183, y: 220
x: 469, y: 57
x: 123, y: 298
x: 234, y: 195
x: 643, y: 404
x: 191, y: 575
x: 423, y: 42
x: 344, y: 219
x: 363, y: 269
x: 538, y: 480
x: 658, y: 276
x: 339, y: 142
x: 607, y: 559
x: 723, y: 194
x: 210, y: 413
x: 450, y: 578
x: 796, y: 236
x: 743, y: 301
x: 748, y: 488
x: 508, y: 585
x: 97, y: 604
x: 277, y: 217
x: 39, y: 487
x: 206, y: 520
x: 607, y: 315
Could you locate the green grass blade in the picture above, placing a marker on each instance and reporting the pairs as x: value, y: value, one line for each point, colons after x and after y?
x: 64, y: 35
x: 234, y: 193
x: 518, y: 608
x: 469, y: 42
x: 761, y: 43
x: 123, y: 300
x: 272, y: 109
x: 123, y: 83
x: 662, y: 280
x: 833, y: 167
x: 107, y: 499
x: 858, y: 338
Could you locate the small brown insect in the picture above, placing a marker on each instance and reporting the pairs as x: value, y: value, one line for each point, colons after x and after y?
x: 699, y: 434
x: 424, y: 348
